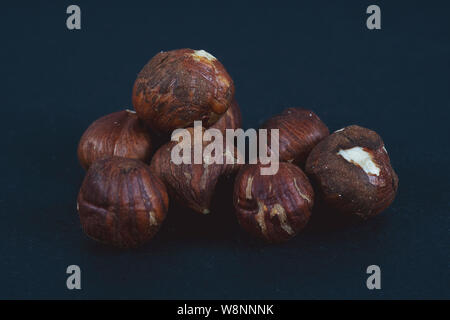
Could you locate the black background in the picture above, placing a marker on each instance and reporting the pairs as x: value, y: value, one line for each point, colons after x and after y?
x: 313, y: 54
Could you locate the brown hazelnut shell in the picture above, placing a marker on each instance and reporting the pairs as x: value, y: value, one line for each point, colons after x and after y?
x: 344, y: 186
x: 232, y: 119
x: 192, y: 184
x: 121, y: 202
x: 176, y: 88
x: 273, y: 207
x: 299, y: 131
x: 117, y: 134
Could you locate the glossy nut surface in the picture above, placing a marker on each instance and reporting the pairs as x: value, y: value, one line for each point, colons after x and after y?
x: 177, y: 87
x: 121, y: 202
x: 299, y: 131
x: 117, y: 134
x: 273, y: 207
x: 352, y: 173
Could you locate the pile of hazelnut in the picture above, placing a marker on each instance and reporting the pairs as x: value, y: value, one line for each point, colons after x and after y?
x: 124, y: 197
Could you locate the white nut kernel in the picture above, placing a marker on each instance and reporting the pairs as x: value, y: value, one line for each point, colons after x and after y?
x: 203, y: 54
x: 362, y: 158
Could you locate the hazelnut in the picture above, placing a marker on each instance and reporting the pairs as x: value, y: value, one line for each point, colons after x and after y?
x: 177, y: 87
x: 117, y: 134
x: 121, y: 202
x: 352, y: 172
x: 299, y: 131
x: 192, y: 184
x: 232, y: 119
x: 273, y: 207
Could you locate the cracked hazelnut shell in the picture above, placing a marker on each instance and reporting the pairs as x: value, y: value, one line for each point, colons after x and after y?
x: 192, y: 184
x: 299, y: 131
x: 121, y: 202
x: 352, y: 173
x: 177, y: 87
x: 117, y: 134
x: 273, y: 207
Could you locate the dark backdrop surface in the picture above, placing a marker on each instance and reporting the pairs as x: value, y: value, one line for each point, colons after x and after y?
x: 314, y: 54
